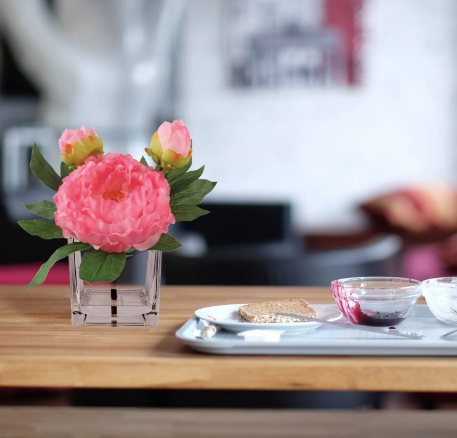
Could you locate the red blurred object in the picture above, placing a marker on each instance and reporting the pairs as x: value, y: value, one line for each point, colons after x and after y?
x: 417, y: 210
x: 344, y: 15
x: 23, y: 273
x: 423, y: 262
x: 447, y: 253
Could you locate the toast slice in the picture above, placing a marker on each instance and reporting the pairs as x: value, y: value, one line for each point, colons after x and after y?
x: 262, y: 312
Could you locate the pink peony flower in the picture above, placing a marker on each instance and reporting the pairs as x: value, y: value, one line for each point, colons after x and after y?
x: 113, y: 202
x: 77, y: 145
x: 171, y: 145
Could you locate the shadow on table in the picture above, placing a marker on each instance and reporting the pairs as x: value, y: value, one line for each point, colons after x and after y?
x: 226, y: 399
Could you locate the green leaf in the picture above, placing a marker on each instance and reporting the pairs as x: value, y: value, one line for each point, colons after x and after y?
x: 130, y: 250
x: 158, y: 167
x: 172, y: 175
x: 143, y: 161
x: 42, y: 208
x: 43, y: 170
x: 41, y: 228
x: 64, y: 170
x: 182, y: 182
x: 187, y: 212
x: 179, y: 174
x: 59, y: 254
x: 166, y: 243
x: 193, y: 194
x: 100, y: 266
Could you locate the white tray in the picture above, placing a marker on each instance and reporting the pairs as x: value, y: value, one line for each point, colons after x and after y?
x: 334, y: 341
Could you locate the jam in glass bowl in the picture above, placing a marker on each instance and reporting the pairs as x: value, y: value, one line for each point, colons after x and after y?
x: 376, y: 301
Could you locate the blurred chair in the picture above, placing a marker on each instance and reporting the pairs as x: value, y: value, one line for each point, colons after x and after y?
x: 236, y: 223
x: 379, y: 256
x: 279, y: 265
x: 230, y: 267
x: 239, y: 243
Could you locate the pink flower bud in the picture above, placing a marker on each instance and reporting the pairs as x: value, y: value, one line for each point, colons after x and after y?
x: 77, y: 145
x: 171, y: 146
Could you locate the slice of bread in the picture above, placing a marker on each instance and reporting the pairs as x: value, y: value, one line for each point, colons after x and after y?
x: 262, y: 312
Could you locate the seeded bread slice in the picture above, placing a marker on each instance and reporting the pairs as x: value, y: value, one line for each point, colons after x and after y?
x: 262, y: 312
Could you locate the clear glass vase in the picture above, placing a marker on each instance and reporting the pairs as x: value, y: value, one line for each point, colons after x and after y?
x: 132, y: 300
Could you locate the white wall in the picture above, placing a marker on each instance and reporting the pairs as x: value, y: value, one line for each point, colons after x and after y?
x: 325, y: 150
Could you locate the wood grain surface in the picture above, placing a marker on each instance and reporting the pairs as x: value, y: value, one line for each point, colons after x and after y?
x: 39, y: 422
x: 40, y: 348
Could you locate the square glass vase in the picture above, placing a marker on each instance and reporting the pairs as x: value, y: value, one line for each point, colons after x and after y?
x: 132, y: 300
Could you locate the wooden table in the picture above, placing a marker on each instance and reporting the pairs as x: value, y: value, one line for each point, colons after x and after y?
x: 39, y: 347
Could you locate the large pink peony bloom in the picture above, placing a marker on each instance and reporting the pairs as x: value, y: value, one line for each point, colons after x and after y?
x: 114, y: 202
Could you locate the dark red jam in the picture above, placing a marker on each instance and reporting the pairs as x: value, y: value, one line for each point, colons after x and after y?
x: 380, y: 319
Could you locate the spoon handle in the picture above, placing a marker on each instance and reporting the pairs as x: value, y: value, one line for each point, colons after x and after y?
x: 384, y: 331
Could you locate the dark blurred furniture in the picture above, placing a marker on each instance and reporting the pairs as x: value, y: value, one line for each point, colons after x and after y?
x: 420, y: 257
x: 18, y: 185
x: 254, y: 244
x: 233, y: 223
x: 19, y: 246
x: 278, y: 265
x: 379, y: 256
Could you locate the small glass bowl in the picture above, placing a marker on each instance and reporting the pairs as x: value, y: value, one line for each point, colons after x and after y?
x: 441, y: 297
x: 376, y: 301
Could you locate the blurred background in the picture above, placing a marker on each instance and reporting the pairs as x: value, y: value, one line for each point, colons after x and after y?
x: 330, y: 126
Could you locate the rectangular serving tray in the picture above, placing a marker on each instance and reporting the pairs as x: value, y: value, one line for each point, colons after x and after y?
x: 334, y: 341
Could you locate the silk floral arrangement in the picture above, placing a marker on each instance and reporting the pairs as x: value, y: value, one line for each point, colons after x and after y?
x: 112, y: 204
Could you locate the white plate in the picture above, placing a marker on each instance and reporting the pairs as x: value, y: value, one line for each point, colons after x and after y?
x: 228, y: 318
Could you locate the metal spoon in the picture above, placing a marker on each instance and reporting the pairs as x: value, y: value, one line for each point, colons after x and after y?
x: 384, y: 331
x: 445, y: 336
